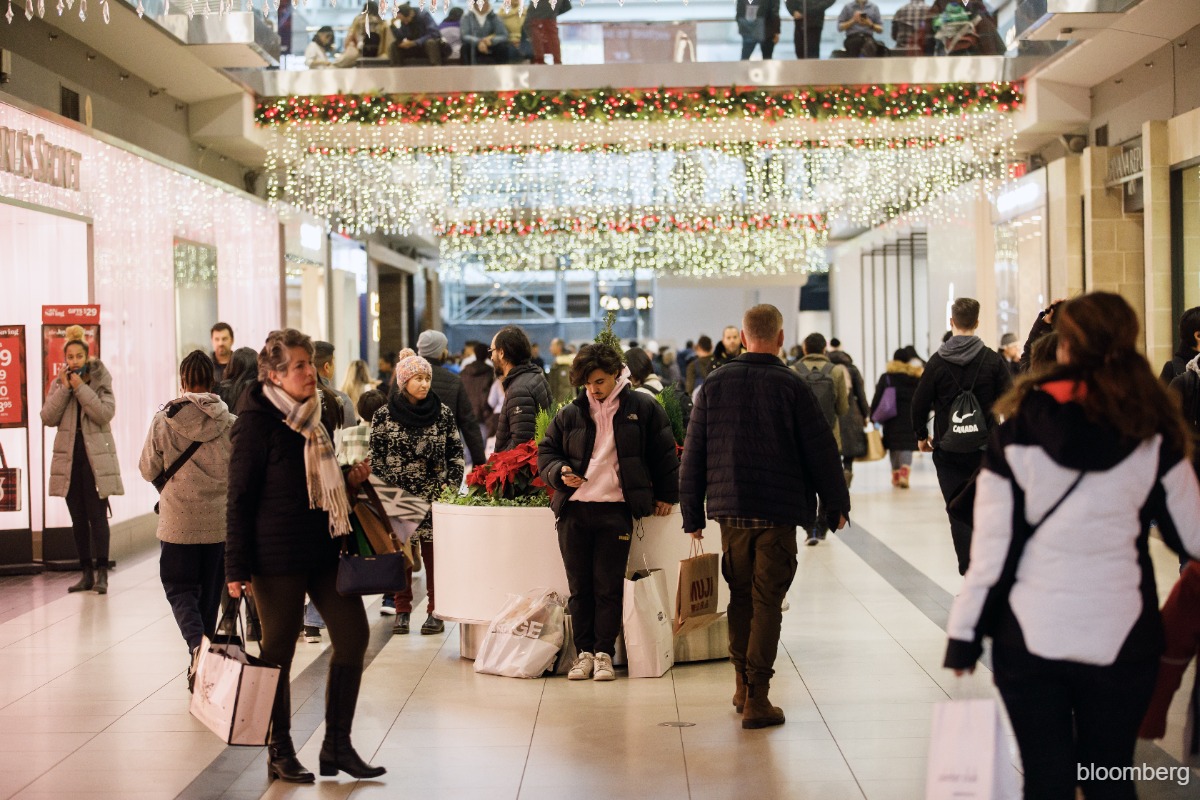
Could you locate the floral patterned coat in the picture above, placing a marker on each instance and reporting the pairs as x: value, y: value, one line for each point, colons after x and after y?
x: 420, y: 460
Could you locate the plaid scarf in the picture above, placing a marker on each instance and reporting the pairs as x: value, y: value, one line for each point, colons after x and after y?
x: 326, y: 486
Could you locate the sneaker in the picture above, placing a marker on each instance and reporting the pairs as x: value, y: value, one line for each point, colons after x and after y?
x: 786, y: 605
x: 312, y: 635
x: 812, y: 539
x: 401, y: 626
x: 603, y: 668
x: 581, y: 670
x: 388, y: 608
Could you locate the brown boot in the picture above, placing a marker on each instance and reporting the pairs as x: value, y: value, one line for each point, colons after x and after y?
x: 904, y: 477
x: 759, y: 713
x: 739, y: 693
x: 896, y: 478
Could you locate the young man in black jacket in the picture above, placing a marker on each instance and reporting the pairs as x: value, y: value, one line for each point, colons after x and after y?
x: 962, y: 362
x: 526, y: 391
x: 761, y: 463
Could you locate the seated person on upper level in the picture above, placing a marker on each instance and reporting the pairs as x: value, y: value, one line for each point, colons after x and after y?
x: 451, y: 29
x: 369, y: 33
x: 320, y: 53
x: 485, y: 39
x: 513, y: 17
x: 860, y: 20
x: 912, y: 28
x: 417, y: 37
x: 966, y: 28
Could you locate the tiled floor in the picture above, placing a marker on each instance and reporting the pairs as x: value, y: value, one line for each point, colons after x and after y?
x: 93, y: 704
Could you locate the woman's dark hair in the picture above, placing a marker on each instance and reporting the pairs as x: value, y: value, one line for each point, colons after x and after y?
x: 1043, y: 353
x: 481, y: 352
x: 196, y: 371
x: 640, y: 365
x: 1189, y: 326
x: 1100, y: 331
x: 515, y: 344
x: 592, y: 357
x: 244, y: 361
x: 454, y: 15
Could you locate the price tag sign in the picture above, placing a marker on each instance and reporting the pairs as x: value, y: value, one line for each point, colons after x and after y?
x: 13, y: 406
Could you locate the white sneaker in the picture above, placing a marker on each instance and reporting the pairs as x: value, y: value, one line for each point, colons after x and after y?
x: 581, y: 670
x: 786, y: 605
x: 604, y: 668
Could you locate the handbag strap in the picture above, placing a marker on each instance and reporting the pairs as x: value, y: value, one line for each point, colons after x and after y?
x: 233, y: 612
x: 373, y: 498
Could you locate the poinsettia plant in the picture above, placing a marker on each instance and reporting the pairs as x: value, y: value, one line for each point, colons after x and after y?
x: 510, y: 475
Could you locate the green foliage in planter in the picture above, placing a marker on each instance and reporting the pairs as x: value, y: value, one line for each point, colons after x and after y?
x: 452, y: 496
x: 670, y: 403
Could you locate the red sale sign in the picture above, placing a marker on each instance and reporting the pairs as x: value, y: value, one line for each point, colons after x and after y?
x: 13, y: 405
x: 70, y: 315
x: 56, y: 320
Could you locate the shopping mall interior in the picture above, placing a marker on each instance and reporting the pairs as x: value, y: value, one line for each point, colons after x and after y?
x: 168, y: 164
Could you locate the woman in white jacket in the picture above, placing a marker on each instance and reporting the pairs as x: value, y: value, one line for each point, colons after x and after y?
x: 1060, y: 575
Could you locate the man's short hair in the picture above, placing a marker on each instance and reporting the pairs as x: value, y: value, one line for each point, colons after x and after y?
x: 515, y: 344
x: 704, y: 343
x: 762, y: 323
x: 369, y: 402
x: 222, y: 326
x: 814, y: 343
x: 964, y: 313
x: 322, y: 354
x: 835, y: 343
x: 1189, y: 326
x: 481, y: 352
x: 390, y: 357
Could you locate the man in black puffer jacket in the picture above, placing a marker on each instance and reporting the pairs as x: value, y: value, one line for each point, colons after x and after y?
x: 759, y: 448
x: 431, y: 346
x: 526, y: 391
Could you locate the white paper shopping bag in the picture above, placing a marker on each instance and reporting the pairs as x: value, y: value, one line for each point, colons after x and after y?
x: 649, y: 634
x: 524, y: 639
x: 233, y: 693
x: 968, y: 754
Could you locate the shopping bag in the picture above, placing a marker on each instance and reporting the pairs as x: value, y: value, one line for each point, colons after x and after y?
x: 10, y: 485
x: 363, y: 572
x: 968, y: 753
x: 233, y: 691
x: 523, y: 640
x: 875, y: 449
x: 649, y: 634
x: 888, y: 408
x: 696, y: 593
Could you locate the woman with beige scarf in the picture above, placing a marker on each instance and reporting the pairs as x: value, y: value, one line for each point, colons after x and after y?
x: 288, y: 507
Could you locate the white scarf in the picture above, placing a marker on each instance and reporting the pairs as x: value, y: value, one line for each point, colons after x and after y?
x: 326, y: 486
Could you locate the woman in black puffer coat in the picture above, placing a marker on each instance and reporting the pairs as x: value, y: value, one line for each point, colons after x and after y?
x: 903, y: 373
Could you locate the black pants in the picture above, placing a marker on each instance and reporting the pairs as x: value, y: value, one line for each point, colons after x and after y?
x: 759, y: 565
x: 435, y: 51
x: 1069, y: 717
x: 193, y: 576
x: 594, y: 539
x: 953, y: 472
x: 89, y: 514
x: 810, y: 36
x: 768, y: 48
x: 498, y: 53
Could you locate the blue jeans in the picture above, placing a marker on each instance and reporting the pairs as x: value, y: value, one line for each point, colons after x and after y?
x: 192, y: 576
x: 312, y: 617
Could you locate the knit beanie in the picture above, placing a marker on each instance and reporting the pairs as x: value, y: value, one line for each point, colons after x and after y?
x: 431, y: 344
x: 408, y: 366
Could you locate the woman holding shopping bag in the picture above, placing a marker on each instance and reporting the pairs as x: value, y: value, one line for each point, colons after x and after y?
x: 894, y: 393
x: 610, y: 457
x: 1088, y: 454
x: 288, y: 507
x: 415, y: 445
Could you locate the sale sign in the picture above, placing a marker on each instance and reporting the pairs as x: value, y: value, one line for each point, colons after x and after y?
x: 13, y: 405
x: 56, y: 320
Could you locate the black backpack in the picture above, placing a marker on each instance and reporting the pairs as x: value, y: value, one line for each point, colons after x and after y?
x: 820, y: 381
x: 967, y: 431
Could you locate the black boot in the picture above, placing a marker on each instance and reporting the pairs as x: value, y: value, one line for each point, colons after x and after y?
x: 101, y: 578
x: 281, y: 753
x: 337, y: 753
x: 86, y: 581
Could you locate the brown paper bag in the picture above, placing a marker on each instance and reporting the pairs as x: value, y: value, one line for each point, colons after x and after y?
x: 699, y: 577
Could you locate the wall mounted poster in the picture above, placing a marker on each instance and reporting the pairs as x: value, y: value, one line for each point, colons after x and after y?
x: 13, y: 403
x: 55, y: 321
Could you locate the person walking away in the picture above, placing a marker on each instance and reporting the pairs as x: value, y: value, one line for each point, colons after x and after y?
x: 431, y: 346
x: 761, y: 452
x: 191, y: 521
x: 477, y: 378
x: 610, y: 457
x: 241, y: 372
x: 851, y: 424
x: 901, y: 375
x: 960, y: 384
x: 1060, y: 576
x: 809, y: 16
x: 699, y: 366
x: 559, y: 373
x: 222, y: 345
x: 828, y: 383
x: 542, y: 24
x: 288, y: 506
x: 415, y: 445
x: 84, y: 467
x: 526, y: 391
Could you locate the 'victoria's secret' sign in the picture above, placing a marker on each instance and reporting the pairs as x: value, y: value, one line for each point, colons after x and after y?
x: 31, y: 156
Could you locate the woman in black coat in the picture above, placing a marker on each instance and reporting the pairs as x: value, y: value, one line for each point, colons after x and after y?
x: 288, y: 507
x: 610, y: 457
x: 903, y: 373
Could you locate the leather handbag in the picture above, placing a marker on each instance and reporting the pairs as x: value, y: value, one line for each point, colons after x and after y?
x: 10, y: 485
x: 379, y: 573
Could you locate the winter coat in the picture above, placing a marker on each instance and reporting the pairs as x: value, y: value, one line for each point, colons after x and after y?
x: 473, y: 31
x: 559, y: 378
x: 525, y: 394
x: 841, y: 388
x: 898, y: 433
x: 942, y: 381
x: 1095, y: 543
x: 193, y: 503
x: 646, y: 462
x: 449, y: 388
x: 764, y: 27
x: 697, y: 372
x: 852, y: 423
x: 270, y: 528
x: 61, y: 410
x: 477, y: 379
x: 417, y: 448
x: 768, y: 453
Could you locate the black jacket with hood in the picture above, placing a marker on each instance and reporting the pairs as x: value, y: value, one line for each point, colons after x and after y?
x: 959, y: 363
x: 526, y: 392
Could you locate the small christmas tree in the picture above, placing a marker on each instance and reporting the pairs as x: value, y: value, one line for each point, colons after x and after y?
x: 606, y: 335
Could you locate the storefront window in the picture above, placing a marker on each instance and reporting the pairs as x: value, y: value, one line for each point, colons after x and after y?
x: 195, y: 296
x: 1022, y: 278
x: 1189, y: 208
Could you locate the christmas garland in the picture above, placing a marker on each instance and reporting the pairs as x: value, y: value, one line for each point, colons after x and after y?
x: 895, y: 102
x: 648, y: 223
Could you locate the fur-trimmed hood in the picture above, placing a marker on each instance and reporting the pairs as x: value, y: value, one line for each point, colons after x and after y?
x: 904, y: 368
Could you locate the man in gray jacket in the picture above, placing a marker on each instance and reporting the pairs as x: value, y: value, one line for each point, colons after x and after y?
x: 431, y: 346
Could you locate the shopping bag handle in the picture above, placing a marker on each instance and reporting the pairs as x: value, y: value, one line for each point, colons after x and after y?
x: 233, y: 609
x: 697, y: 548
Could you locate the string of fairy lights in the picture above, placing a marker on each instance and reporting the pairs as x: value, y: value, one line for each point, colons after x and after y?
x: 733, y: 184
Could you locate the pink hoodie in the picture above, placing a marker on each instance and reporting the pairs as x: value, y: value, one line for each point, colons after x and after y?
x: 603, y: 483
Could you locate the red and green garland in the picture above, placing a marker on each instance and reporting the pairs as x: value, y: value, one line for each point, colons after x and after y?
x: 896, y: 102
x: 649, y: 223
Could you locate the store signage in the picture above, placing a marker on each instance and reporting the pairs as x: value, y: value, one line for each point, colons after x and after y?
x: 55, y: 321
x: 1128, y: 165
x: 31, y: 156
x: 13, y: 405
